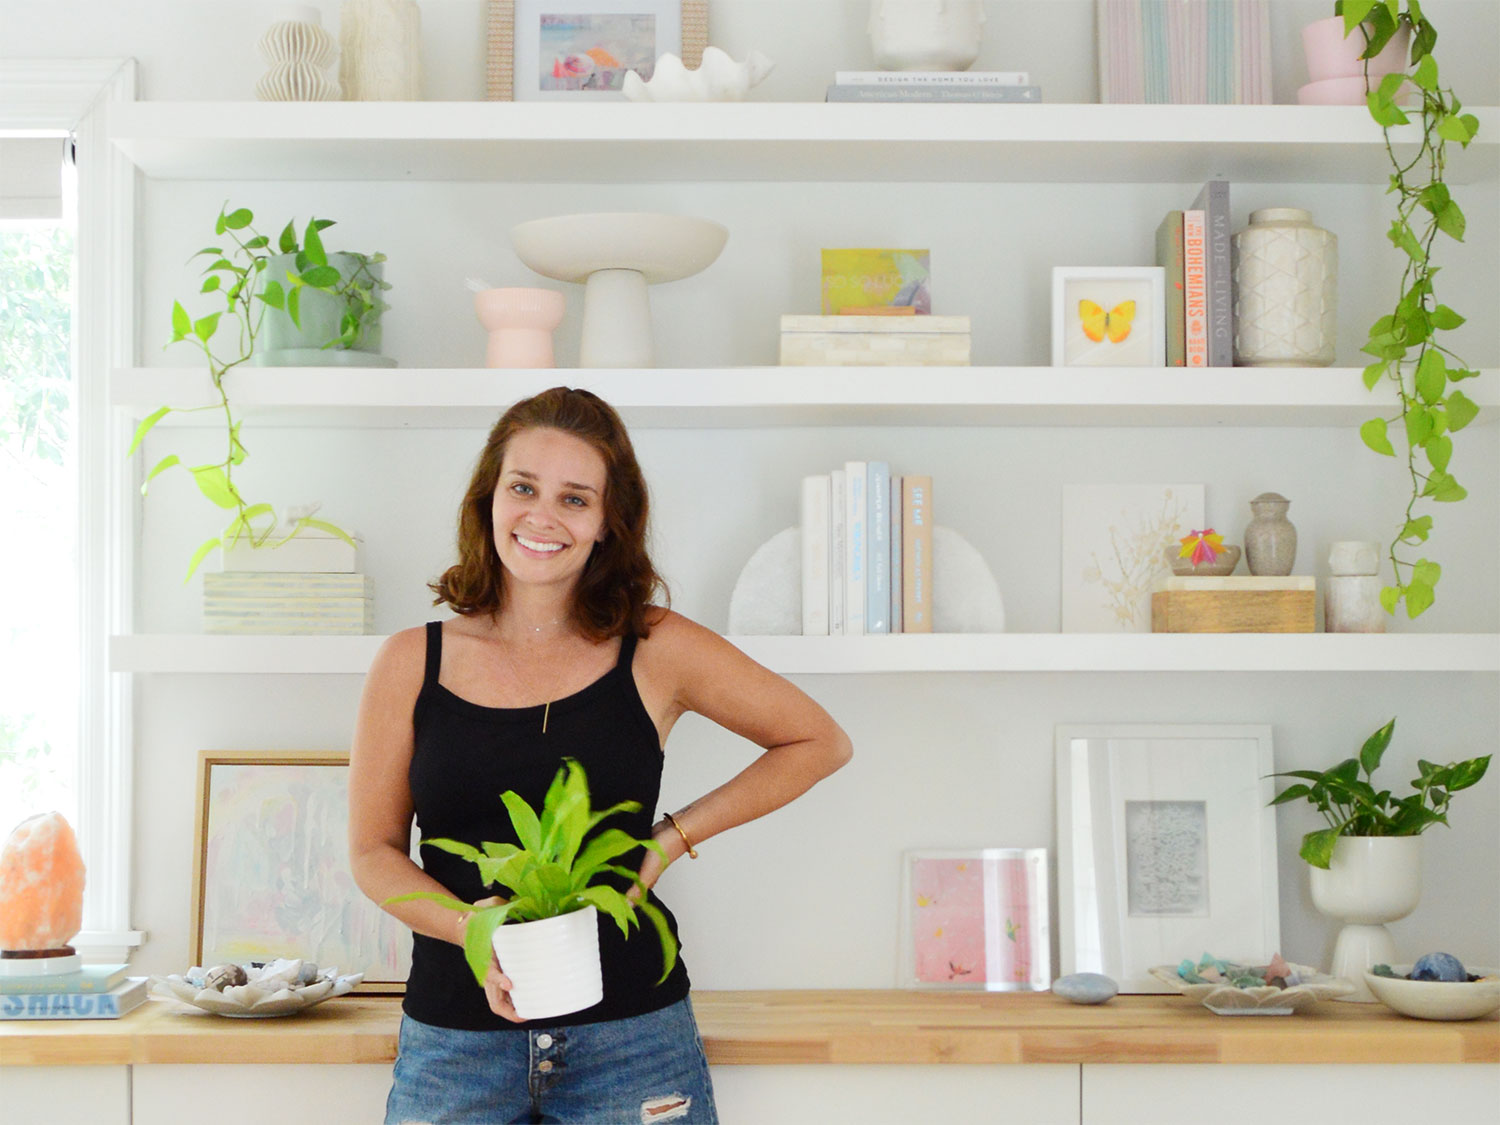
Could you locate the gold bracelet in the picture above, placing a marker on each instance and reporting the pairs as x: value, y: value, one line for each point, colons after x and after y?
x: 672, y: 820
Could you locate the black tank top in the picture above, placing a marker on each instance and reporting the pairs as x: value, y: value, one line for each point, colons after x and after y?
x: 464, y: 756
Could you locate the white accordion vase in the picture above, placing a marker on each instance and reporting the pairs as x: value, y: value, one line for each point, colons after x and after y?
x: 299, y: 51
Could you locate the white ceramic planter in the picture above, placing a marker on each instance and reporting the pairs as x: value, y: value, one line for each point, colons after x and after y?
x: 553, y: 964
x: 1371, y: 880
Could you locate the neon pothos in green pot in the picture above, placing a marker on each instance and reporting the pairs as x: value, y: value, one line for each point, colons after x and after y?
x: 227, y: 339
x: 554, y: 871
x: 1352, y: 806
x: 1405, y: 343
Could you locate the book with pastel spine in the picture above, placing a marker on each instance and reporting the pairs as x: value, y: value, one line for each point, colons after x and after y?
x: 896, y: 590
x: 90, y: 978
x: 816, y: 491
x: 916, y: 552
x: 916, y: 92
x: 1169, y: 255
x: 878, y: 533
x: 932, y: 77
x: 1194, y: 288
x: 295, y: 603
x: 124, y: 997
x: 838, y: 548
x: 857, y: 547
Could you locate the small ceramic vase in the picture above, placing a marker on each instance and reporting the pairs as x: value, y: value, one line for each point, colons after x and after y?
x: 380, y: 43
x: 1270, y: 538
x: 520, y: 323
x: 1286, y: 286
x: 1351, y: 600
x: 299, y: 51
x: 925, y: 34
x: 1337, y: 72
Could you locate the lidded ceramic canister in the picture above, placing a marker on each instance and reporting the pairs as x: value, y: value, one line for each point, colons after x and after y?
x: 1270, y: 538
x: 1286, y: 278
x: 925, y: 34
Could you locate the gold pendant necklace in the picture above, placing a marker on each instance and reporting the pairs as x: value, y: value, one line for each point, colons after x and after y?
x: 524, y: 682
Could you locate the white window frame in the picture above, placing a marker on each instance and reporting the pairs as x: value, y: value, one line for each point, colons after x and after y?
x: 76, y: 96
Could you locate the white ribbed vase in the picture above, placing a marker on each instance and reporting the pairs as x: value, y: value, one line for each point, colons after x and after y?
x: 1370, y: 881
x: 553, y: 964
x: 299, y: 51
x: 1286, y: 280
x: 381, y: 50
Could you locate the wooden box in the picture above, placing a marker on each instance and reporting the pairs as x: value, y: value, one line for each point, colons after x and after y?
x: 1235, y: 605
x: 874, y: 341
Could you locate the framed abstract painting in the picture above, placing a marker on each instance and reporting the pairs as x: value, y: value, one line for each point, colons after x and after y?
x: 975, y: 920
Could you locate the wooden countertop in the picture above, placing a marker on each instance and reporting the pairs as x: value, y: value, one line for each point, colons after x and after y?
x: 842, y: 1026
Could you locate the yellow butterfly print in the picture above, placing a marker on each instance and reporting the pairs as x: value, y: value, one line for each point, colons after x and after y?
x: 1097, y: 323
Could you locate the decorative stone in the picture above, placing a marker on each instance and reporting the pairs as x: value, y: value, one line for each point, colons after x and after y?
x: 1439, y: 966
x: 221, y: 977
x: 41, y: 884
x: 1085, y: 988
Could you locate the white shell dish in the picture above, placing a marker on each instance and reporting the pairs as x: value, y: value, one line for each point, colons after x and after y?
x: 273, y: 990
x: 718, y: 79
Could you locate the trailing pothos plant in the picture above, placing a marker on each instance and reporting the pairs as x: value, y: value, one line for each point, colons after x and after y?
x: 227, y: 339
x: 1352, y: 805
x: 1405, y: 343
x: 553, y: 871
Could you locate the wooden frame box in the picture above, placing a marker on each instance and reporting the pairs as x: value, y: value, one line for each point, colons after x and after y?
x: 1235, y: 605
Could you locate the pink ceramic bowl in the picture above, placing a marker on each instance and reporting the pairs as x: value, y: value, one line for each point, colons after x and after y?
x: 1344, y: 91
x: 1332, y: 55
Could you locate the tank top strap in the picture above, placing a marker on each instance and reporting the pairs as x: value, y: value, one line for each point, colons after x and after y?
x: 627, y: 651
x: 434, y: 655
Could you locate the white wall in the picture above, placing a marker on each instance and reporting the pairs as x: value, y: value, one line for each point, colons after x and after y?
x: 808, y: 898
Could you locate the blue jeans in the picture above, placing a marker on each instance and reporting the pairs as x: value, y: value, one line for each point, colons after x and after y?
x: 641, y: 1069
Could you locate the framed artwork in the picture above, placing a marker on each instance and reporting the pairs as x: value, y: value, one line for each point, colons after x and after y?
x: 1114, y: 543
x: 1109, y: 316
x: 976, y: 920
x: 571, y: 49
x: 1166, y: 848
x: 271, y: 869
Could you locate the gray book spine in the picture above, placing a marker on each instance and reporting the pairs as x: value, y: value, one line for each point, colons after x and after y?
x: 1213, y: 200
x: 913, y: 92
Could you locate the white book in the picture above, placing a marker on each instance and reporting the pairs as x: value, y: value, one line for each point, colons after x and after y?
x: 838, y: 541
x: 816, y: 491
x: 896, y: 587
x: 286, y: 584
x: 932, y: 77
x: 878, y: 556
x: 857, y: 549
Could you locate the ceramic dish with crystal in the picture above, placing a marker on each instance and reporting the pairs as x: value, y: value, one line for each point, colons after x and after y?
x: 1437, y: 999
x: 279, y: 988
x: 1225, y: 998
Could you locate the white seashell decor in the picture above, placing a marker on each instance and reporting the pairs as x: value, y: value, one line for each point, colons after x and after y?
x: 718, y: 79
x: 299, y: 50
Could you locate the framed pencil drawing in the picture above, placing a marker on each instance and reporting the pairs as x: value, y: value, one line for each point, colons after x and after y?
x: 271, y: 869
x: 1166, y: 848
x: 975, y: 919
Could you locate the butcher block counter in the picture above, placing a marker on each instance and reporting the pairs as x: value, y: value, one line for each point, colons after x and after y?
x: 811, y: 1027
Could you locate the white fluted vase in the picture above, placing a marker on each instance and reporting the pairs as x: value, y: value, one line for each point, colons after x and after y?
x: 380, y: 44
x: 553, y: 964
x: 1286, y: 281
x: 1371, y: 880
x: 299, y: 51
x: 925, y: 34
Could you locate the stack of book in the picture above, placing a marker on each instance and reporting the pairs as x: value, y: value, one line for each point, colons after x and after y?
x: 932, y: 86
x: 1193, y: 246
x: 1184, y: 52
x: 95, y: 992
x: 866, y: 551
x: 288, y: 602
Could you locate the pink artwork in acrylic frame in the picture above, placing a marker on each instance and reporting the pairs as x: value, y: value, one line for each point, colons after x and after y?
x: 976, y: 919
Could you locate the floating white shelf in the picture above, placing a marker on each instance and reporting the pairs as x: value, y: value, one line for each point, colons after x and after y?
x: 770, y: 141
x: 953, y: 652
x: 740, y: 397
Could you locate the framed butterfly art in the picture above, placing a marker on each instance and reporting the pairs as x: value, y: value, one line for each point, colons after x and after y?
x: 1108, y: 316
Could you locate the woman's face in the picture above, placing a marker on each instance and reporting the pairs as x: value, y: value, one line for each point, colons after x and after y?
x: 548, y: 507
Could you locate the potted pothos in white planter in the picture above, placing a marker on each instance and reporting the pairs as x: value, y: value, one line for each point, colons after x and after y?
x: 546, y: 934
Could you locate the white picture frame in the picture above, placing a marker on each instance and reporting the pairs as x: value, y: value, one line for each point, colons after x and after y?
x: 538, y: 38
x: 1166, y: 846
x: 1127, y: 322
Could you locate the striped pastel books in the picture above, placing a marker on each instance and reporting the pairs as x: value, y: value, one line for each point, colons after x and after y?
x: 1184, y: 52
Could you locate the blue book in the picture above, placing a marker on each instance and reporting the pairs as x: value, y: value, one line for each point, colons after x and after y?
x: 129, y: 994
x: 90, y: 978
x: 878, y: 531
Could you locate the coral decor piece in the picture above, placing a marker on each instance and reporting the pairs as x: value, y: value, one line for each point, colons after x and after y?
x: 41, y: 886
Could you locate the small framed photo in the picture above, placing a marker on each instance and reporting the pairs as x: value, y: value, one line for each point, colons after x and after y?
x: 271, y: 871
x: 1166, y: 848
x: 976, y: 920
x: 582, y: 49
x: 1109, y: 316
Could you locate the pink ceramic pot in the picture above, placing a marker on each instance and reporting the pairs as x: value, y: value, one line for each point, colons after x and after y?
x: 520, y: 324
x: 1331, y: 55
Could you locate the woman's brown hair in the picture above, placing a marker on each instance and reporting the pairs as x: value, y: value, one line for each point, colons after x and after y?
x: 615, y: 590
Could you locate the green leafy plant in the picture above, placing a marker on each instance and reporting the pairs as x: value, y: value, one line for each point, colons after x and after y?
x: 227, y: 339
x: 553, y: 871
x: 1352, y: 805
x: 1405, y: 343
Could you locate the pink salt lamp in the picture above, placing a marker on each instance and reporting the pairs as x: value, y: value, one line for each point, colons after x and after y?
x: 41, y: 886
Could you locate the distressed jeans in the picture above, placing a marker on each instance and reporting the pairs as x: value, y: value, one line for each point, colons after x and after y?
x: 646, y: 1068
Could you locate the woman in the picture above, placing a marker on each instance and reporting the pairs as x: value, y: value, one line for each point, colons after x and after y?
x: 557, y: 650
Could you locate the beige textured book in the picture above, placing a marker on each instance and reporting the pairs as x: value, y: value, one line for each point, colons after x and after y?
x: 916, y: 554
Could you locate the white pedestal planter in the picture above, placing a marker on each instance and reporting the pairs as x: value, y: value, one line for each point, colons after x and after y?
x: 553, y: 964
x: 1371, y: 880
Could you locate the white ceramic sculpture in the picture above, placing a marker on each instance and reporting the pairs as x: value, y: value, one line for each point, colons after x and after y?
x: 718, y: 79
x: 298, y: 49
x: 925, y: 34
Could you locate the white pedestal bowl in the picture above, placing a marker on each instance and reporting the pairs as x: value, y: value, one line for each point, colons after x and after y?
x: 616, y: 256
